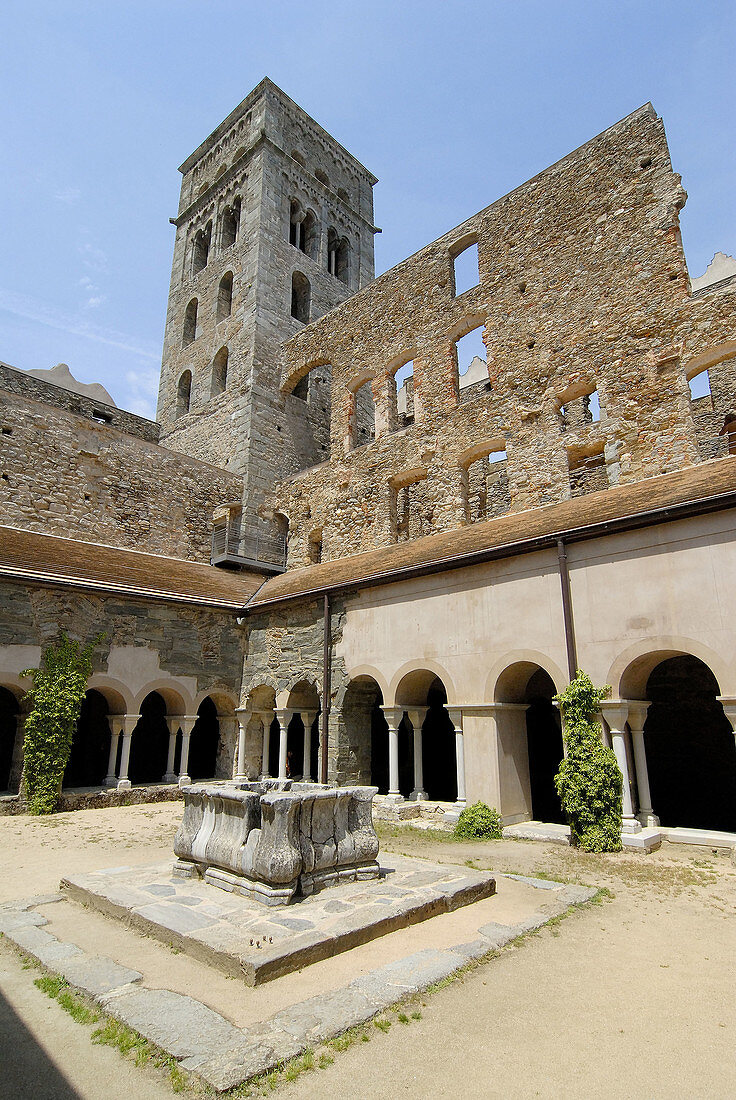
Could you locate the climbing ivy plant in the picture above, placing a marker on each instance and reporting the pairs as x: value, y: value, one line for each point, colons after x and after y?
x: 589, y: 781
x: 59, y: 687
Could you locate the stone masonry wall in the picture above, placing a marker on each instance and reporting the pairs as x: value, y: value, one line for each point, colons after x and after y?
x: 583, y: 286
x: 64, y: 474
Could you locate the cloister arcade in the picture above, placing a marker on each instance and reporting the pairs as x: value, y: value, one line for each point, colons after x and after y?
x: 667, y: 721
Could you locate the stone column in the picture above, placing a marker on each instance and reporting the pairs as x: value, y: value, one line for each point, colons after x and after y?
x: 393, y: 718
x: 116, y: 726
x: 615, y: 714
x: 130, y: 721
x: 243, y: 716
x: 284, y: 717
x: 637, y: 718
x: 416, y: 717
x: 456, y: 717
x: 266, y: 717
x: 307, y: 717
x: 187, y: 725
x: 173, y: 721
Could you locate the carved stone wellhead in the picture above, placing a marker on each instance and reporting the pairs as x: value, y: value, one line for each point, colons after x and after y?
x: 274, y: 841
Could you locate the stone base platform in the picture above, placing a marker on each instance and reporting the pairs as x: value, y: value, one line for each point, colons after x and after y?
x: 256, y: 943
x: 646, y: 840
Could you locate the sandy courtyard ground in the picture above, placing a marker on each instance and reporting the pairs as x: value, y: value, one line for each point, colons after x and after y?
x: 633, y: 997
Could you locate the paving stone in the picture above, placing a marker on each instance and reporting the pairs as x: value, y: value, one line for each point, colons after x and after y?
x: 174, y: 918
x: 325, y: 1015
x: 537, y: 883
x: 160, y: 890
x: 296, y: 923
x: 96, y: 974
x: 336, y: 906
x: 409, y: 975
x: 19, y: 918
x: 180, y: 1025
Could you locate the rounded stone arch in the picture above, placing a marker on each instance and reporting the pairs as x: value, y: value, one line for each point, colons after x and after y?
x: 363, y: 671
x: 119, y: 696
x: 709, y: 358
x: 509, y: 676
x: 223, y: 700
x: 467, y: 323
x: 415, y: 677
x: 630, y: 671
x: 258, y: 691
x: 294, y: 377
x: 366, y: 374
x: 178, y: 700
x: 294, y: 699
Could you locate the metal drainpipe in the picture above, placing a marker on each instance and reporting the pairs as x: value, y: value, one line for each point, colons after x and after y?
x: 326, y: 686
x: 572, y: 657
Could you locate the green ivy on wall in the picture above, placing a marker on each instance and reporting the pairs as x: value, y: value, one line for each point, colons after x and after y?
x: 59, y: 687
x: 589, y: 781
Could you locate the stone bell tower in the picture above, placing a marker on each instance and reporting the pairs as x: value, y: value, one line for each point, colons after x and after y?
x: 275, y: 228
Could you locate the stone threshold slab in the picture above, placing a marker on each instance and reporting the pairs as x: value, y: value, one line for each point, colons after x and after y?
x: 257, y: 943
x: 223, y: 1055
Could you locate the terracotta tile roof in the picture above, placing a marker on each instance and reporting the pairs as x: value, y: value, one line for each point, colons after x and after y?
x: 695, y: 483
x: 28, y: 555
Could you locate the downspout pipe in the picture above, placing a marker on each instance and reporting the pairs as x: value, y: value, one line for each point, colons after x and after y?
x: 326, y: 685
x: 572, y: 656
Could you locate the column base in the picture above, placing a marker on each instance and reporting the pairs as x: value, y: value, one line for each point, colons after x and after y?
x: 394, y: 796
x: 111, y: 781
x: 170, y: 777
x: 649, y: 819
x: 123, y: 784
x: 418, y: 796
x: 631, y: 825
x: 184, y: 781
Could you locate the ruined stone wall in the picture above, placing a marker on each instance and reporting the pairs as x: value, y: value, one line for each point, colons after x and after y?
x: 583, y: 286
x: 63, y: 473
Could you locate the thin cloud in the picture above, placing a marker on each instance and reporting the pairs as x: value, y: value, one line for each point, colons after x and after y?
x: 68, y: 195
x: 19, y: 305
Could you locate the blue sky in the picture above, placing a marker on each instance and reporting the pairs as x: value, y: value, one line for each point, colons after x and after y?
x: 450, y: 104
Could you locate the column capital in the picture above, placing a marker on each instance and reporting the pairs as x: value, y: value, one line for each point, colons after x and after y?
x: 456, y: 717
x: 173, y: 721
x: 130, y: 721
x: 616, y: 713
x: 284, y: 714
x: 308, y: 717
x: 417, y: 716
x: 187, y: 721
x: 393, y: 716
x: 638, y: 713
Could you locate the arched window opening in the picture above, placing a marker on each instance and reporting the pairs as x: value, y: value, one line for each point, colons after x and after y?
x: 183, y: 394
x: 295, y: 220
x: 471, y: 363
x: 588, y: 471
x: 298, y: 158
x: 225, y: 296
x: 487, y: 487
x: 338, y: 256
x: 219, y: 372
x: 301, y: 294
x: 412, y: 509
x: 201, y: 248
x: 580, y: 411
x: 699, y: 386
x: 314, y: 547
x: 362, y: 736
x: 465, y: 269
x: 342, y: 194
x: 322, y: 177
x: 230, y: 225
x: 189, y: 331
x: 308, y: 239
x: 363, y: 416
x: 8, y: 731
x: 404, y: 394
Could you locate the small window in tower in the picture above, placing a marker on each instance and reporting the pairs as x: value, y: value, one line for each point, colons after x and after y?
x: 219, y: 372
x: 301, y: 294
x: 322, y: 177
x: 297, y: 157
x: 465, y: 267
x: 342, y: 194
x: 338, y: 256
x: 295, y: 217
x: 189, y: 331
x: 225, y: 296
x: 314, y: 548
x: 201, y: 248
x: 183, y: 394
x: 230, y: 224
x: 308, y: 240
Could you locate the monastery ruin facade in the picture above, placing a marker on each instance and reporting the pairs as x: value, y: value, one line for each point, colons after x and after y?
x: 391, y: 516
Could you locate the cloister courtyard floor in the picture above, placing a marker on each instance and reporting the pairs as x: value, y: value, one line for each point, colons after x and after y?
x: 630, y: 997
